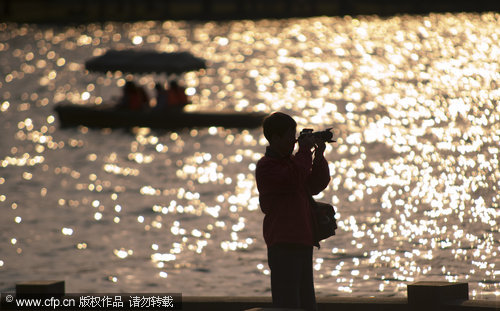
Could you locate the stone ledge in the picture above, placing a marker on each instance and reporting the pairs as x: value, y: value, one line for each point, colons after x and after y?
x: 472, y: 305
x: 443, y: 297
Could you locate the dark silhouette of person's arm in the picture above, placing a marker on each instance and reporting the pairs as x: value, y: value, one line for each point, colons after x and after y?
x: 320, y: 175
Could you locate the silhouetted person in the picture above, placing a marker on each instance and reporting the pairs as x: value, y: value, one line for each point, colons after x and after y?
x: 161, y: 98
x: 134, y: 98
x: 143, y: 99
x: 176, y: 96
x: 285, y: 183
x: 127, y: 93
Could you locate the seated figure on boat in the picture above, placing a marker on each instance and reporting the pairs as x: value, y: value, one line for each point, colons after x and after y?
x: 172, y: 100
x: 161, y: 98
x: 177, y: 98
x: 134, y: 98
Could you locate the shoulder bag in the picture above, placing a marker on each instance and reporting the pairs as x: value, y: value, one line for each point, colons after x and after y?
x: 325, y: 221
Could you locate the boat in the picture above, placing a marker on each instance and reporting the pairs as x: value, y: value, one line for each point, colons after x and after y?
x: 148, y: 61
x: 71, y: 115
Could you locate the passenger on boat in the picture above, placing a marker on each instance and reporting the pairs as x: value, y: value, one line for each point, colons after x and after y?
x: 176, y: 96
x: 134, y: 98
x: 143, y: 99
x: 161, y: 98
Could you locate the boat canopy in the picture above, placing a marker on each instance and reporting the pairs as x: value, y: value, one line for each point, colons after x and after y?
x: 145, y: 61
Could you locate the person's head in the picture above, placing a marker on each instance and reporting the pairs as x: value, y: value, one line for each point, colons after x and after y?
x: 280, y: 131
x: 173, y: 84
x: 129, y: 86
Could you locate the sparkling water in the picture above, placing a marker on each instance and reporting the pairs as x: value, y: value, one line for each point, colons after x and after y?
x: 414, y: 103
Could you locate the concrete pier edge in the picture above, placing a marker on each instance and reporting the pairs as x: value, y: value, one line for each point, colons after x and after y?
x: 426, y: 295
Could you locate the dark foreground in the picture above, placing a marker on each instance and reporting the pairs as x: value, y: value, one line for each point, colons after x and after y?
x: 62, y: 11
x: 428, y: 296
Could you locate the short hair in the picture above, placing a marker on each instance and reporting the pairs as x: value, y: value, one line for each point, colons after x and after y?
x: 277, y: 123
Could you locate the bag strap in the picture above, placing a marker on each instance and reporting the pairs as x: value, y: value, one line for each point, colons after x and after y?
x: 314, y: 221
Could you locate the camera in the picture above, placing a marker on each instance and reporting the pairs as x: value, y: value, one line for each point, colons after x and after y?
x: 325, y: 136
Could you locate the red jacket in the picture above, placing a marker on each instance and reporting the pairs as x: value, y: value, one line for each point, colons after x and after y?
x: 177, y: 97
x: 283, y: 196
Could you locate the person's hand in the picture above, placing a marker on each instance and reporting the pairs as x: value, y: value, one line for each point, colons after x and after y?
x: 306, y: 142
x: 320, y: 147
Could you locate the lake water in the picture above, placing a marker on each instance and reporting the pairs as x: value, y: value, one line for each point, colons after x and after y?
x: 414, y: 103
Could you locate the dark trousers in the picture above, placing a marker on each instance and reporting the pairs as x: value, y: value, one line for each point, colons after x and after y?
x: 292, y: 283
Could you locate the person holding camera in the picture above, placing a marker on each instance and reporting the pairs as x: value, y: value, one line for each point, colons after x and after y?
x: 285, y: 183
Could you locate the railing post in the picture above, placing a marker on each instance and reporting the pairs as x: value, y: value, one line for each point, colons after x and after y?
x: 41, y: 288
x: 431, y: 296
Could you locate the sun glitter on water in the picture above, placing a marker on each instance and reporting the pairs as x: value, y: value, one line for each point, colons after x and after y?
x: 415, y: 178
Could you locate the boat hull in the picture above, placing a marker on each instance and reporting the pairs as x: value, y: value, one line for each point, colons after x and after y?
x: 71, y: 115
